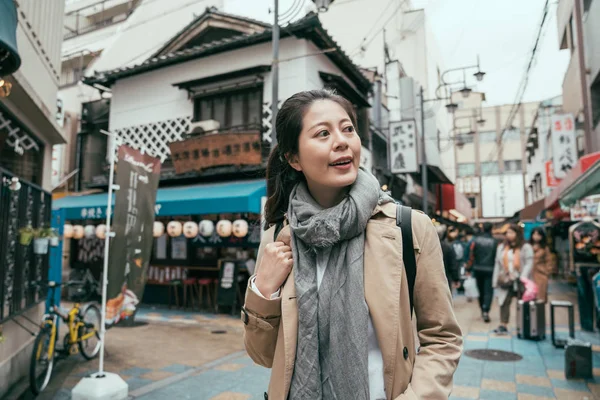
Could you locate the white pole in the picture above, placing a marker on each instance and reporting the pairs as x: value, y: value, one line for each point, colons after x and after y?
x: 109, y: 234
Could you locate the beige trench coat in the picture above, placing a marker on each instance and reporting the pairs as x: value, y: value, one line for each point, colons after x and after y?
x: 271, y: 326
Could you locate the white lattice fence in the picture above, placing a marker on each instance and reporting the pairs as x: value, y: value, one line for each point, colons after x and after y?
x: 155, y: 137
x: 15, y: 135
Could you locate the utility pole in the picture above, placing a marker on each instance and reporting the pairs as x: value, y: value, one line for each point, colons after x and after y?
x: 424, y: 182
x: 275, y: 75
x: 587, y: 112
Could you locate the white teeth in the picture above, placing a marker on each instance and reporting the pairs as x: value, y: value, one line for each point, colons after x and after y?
x: 341, y: 162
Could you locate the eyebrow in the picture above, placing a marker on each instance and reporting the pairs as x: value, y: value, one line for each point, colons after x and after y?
x: 328, y: 124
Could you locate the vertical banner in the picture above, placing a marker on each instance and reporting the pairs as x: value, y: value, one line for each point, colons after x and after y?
x: 403, y: 147
x: 564, y: 144
x: 551, y: 180
x: 137, y: 176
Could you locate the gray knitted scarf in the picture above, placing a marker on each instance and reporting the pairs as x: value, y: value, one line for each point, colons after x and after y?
x: 332, y: 350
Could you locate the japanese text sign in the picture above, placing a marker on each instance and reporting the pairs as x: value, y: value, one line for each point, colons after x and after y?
x: 551, y: 180
x: 403, y: 147
x: 198, y: 153
x: 564, y: 144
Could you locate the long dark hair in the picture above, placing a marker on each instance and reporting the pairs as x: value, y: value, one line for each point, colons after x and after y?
x: 281, y: 177
x: 540, y: 231
x: 520, y: 240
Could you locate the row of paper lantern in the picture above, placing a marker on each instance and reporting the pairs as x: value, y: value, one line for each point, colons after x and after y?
x: 190, y: 229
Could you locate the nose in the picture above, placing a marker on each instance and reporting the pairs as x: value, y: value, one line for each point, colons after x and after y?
x: 340, y: 140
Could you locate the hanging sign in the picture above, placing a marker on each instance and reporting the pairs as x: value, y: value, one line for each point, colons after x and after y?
x: 403, y: 147
x: 198, y: 153
x: 564, y: 144
x: 551, y: 180
x: 137, y: 176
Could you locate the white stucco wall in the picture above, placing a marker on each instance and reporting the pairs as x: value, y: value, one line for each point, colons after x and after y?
x: 150, y: 97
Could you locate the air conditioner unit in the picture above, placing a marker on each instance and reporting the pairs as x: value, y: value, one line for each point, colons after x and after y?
x: 204, y: 127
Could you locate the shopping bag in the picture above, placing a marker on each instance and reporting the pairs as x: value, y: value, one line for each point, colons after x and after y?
x: 530, y: 290
x: 470, y: 286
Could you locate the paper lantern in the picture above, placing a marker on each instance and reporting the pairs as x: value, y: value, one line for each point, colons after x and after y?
x: 78, y: 232
x: 206, y: 228
x: 224, y: 228
x: 174, y: 228
x: 158, y: 229
x: 89, y: 231
x: 240, y: 228
x: 190, y: 229
x: 68, y: 231
x: 101, y: 231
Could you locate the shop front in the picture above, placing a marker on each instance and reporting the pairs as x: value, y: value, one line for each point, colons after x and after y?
x: 205, y: 241
x: 577, y: 199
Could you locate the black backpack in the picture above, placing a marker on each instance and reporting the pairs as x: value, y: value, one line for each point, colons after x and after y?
x: 403, y: 220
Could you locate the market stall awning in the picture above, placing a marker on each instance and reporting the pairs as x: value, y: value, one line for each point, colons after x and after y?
x: 532, y: 211
x: 454, y: 202
x: 215, y: 198
x: 582, y: 180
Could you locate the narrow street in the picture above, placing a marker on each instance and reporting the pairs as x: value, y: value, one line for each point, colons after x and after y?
x: 183, y: 355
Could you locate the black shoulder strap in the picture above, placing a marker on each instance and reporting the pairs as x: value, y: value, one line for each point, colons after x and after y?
x: 403, y: 220
x: 278, y: 228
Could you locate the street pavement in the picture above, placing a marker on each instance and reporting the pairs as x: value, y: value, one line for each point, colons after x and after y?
x: 190, y: 355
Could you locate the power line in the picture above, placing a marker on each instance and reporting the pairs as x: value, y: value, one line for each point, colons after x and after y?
x: 522, y: 86
x: 392, y: 16
x: 357, y: 49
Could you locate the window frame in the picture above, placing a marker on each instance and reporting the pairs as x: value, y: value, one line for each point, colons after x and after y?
x: 197, y: 116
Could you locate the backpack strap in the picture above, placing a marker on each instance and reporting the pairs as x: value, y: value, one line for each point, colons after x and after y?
x: 403, y: 220
x: 278, y: 228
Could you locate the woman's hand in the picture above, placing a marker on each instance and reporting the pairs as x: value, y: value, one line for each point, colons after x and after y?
x: 275, y: 267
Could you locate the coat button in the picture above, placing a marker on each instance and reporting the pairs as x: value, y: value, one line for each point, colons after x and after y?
x: 405, y: 352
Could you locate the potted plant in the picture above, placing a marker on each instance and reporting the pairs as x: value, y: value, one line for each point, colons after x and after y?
x: 54, y: 239
x: 41, y: 240
x: 25, y: 235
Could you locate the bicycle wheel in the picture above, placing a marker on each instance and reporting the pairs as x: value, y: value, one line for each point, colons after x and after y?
x: 41, y: 365
x: 89, y: 335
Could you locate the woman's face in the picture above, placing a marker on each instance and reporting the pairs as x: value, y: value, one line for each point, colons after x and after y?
x: 328, y: 148
x: 511, y: 235
x: 536, y: 237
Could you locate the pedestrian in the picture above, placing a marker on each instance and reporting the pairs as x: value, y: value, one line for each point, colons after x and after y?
x: 449, y: 256
x: 542, y: 262
x: 329, y: 307
x: 514, y: 259
x: 482, y: 256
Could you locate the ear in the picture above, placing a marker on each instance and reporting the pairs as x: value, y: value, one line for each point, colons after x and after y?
x: 294, y: 162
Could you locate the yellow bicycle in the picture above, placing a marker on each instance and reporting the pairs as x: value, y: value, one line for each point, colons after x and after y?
x: 83, y: 336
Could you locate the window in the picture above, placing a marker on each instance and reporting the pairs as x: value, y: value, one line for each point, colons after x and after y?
x: 512, y: 166
x: 466, y: 169
x: 490, y: 168
x: 473, y: 201
x: 595, y: 95
x: 239, y: 109
x: 487, y: 137
x: 466, y: 138
x: 512, y: 134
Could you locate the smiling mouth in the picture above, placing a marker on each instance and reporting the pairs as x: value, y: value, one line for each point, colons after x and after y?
x: 346, y: 162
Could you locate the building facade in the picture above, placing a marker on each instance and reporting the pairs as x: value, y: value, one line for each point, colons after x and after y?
x: 490, y: 150
x: 584, y: 67
x: 28, y: 130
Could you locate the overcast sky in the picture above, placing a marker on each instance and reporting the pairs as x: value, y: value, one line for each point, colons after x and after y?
x: 501, y: 32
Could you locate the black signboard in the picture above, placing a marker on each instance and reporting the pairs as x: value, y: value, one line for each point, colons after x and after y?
x: 227, y: 292
x: 133, y: 218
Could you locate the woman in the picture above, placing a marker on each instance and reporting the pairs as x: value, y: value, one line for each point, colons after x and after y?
x: 328, y: 309
x: 514, y: 259
x: 542, y: 262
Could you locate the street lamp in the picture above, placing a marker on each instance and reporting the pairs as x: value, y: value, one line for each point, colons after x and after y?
x: 323, y: 5
x: 479, y: 75
x: 465, y: 92
x: 451, y: 107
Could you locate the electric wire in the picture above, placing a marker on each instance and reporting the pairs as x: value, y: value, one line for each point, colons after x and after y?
x: 522, y: 86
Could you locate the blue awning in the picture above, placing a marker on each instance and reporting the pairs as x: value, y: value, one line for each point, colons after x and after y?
x: 230, y: 197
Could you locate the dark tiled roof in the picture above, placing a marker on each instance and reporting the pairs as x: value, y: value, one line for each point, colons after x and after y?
x: 206, y: 15
x: 308, y: 27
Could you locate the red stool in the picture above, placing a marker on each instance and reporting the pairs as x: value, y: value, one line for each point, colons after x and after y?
x: 190, y: 286
x: 205, y: 283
